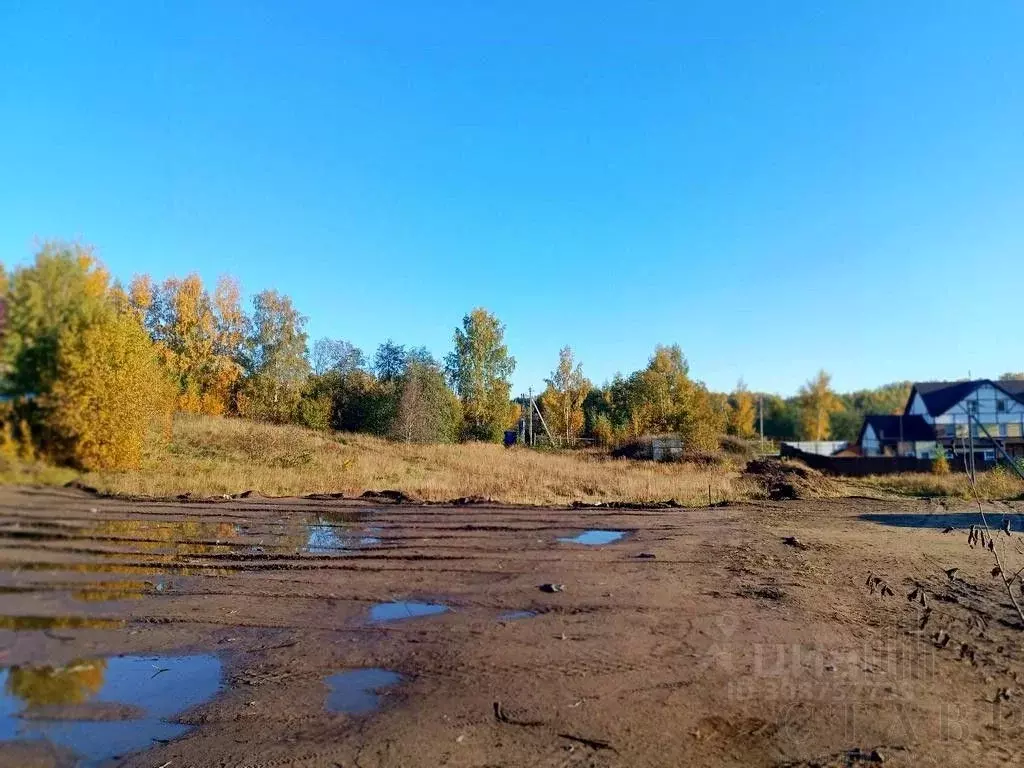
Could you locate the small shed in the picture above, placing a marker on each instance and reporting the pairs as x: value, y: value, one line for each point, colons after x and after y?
x: 652, y: 447
x: 666, y: 447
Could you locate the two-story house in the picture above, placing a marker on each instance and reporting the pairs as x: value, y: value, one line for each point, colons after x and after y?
x: 938, y: 413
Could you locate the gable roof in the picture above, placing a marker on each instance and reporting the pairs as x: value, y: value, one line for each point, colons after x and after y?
x: 889, y: 428
x: 940, y: 396
x: 1013, y: 387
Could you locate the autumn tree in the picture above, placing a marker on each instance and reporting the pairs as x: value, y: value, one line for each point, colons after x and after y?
x: 719, y: 406
x: 389, y: 361
x: 781, y: 416
x: 362, y: 403
x: 479, y: 369
x: 110, y: 391
x: 845, y: 424
x: 4, y: 284
x: 65, y: 289
x: 88, y: 363
x: 275, y: 360
x: 742, y: 413
x: 602, y: 430
x: 817, y: 404
x: 231, y: 322
x: 663, y: 398
x: 659, y: 395
x: 335, y: 355
x: 1012, y: 377
x: 563, y: 399
x: 200, y: 338
x: 426, y: 411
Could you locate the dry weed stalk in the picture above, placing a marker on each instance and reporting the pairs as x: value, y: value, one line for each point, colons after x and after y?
x: 975, y: 536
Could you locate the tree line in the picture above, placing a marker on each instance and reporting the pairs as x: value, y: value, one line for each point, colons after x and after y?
x: 91, y: 370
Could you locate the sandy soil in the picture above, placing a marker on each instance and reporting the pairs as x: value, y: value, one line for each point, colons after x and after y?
x: 725, y: 646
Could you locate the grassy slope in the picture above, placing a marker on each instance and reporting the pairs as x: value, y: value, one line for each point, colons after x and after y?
x: 210, y: 456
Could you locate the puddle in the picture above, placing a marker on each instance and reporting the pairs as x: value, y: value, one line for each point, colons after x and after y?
x: 947, y: 520
x: 355, y: 691
x: 51, y: 703
x: 328, y: 537
x: 404, y: 609
x: 594, y: 537
x: 323, y: 539
x: 27, y: 623
x: 516, y: 615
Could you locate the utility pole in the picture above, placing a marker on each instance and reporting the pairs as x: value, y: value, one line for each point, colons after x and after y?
x: 531, y: 417
x: 522, y: 424
x: 551, y: 438
x: 760, y: 416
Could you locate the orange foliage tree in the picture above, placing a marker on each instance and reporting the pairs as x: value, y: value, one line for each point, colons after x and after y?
x: 199, y: 337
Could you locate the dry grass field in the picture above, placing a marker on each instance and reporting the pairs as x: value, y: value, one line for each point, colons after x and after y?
x: 211, y: 456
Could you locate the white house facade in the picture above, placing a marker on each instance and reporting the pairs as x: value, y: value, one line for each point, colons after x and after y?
x: 948, y: 414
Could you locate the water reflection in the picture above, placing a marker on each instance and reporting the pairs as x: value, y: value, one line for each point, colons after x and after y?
x: 73, y: 684
x: 113, y: 590
x: 404, y: 609
x: 53, y: 703
x: 184, y: 537
x: 181, y: 537
x: 334, y: 533
x: 594, y: 537
x: 27, y: 623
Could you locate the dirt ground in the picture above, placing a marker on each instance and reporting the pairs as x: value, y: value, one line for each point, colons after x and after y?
x: 701, y: 638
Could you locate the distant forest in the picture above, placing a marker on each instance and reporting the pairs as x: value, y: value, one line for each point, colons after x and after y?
x: 93, y: 371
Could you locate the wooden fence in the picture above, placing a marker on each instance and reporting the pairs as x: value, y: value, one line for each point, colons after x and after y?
x: 859, y: 466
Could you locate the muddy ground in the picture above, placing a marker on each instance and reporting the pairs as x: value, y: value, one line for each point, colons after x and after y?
x: 699, y: 638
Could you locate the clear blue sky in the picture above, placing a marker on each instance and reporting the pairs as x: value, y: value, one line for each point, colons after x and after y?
x: 776, y: 186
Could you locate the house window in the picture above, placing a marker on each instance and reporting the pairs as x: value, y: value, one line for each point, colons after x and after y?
x: 1013, y: 430
x: 989, y: 455
x: 972, y: 406
x: 1001, y: 406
